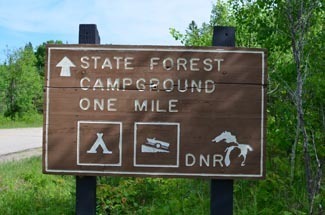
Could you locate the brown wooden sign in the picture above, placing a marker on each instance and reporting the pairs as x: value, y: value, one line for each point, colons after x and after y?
x: 155, y: 111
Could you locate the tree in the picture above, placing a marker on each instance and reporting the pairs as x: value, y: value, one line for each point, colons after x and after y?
x: 21, y: 82
x: 299, y: 15
x: 41, y: 55
x: 202, y: 36
x: 2, y: 87
x: 292, y: 31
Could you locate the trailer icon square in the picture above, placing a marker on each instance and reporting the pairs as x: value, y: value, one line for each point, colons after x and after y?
x: 156, y: 144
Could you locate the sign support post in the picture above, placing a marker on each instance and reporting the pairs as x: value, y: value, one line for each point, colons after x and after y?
x: 86, y: 185
x: 221, y: 191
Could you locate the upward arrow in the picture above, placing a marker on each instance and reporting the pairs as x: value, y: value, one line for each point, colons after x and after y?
x: 65, y: 65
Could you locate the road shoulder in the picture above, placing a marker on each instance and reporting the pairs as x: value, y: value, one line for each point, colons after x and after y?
x: 20, y: 155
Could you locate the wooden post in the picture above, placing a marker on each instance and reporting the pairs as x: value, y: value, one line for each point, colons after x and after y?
x: 221, y: 191
x: 85, y: 195
x: 86, y: 185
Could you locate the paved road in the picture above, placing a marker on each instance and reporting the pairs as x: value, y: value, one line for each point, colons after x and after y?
x: 19, y: 139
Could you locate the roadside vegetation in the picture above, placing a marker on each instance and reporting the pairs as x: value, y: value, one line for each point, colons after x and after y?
x: 27, y: 121
x: 25, y: 190
x: 293, y: 33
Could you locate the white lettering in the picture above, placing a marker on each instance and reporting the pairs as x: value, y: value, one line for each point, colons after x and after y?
x: 140, y: 84
x: 99, y: 103
x: 107, y: 63
x: 172, y: 106
x: 111, y: 104
x: 189, y: 156
x: 205, y: 160
x: 95, y: 58
x: 154, y: 83
x: 128, y: 62
x: 155, y: 106
x: 219, y: 63
x: 152, y: 105
x: 142, y: 107
x: 217, y: 158
x: 181, y: 62
x: 84, y: 87
x: 168, y: 66
x: 126, y: 82
x: 196, y: 86
x: 171, y: 85
x: 193, y: 64
x: 84, y: 104
x: 115, y: 86
x: 118, y: 61
x: 185, y: 86
x: 84, y: 62
x: 168, y: 63
x: 212, y: 86
x: 153, y: 62
x: 158, y: 106
x: 207, y: 64
x: 98, y: 84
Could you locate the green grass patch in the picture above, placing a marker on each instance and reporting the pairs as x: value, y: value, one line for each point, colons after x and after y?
x: 25, y: 190
x: 117, y: 195
x: 26, y: 121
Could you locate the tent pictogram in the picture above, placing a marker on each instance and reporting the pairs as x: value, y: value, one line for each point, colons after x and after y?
x: 99, y: 142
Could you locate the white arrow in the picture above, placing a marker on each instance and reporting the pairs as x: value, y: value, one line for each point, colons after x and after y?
x: 65, y: 65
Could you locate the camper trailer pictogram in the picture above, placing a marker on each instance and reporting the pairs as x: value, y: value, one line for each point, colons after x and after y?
x: 152, y: 145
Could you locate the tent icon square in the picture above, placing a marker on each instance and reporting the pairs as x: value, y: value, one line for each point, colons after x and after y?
x: 99, y: 143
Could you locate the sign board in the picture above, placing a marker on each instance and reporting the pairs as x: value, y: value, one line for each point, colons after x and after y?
x: 155, y: 111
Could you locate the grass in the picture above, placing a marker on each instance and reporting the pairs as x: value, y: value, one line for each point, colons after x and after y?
x: 27, y: 121
x: 25, y: 190
x: 123, y: 195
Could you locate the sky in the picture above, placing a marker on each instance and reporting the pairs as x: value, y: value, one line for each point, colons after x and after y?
x: 123, y: 22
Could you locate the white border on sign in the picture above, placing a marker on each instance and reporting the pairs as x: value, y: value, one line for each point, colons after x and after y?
x: 218, y: 50
x: 135, y: 144
x: 78, y: 143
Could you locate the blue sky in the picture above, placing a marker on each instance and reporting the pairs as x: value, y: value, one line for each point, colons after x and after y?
x: 127, y: 22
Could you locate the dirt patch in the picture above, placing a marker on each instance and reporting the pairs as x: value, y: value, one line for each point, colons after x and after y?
x: 21, y: 155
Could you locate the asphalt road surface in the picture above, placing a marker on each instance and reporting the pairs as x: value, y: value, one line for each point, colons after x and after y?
x: 18, y: 140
